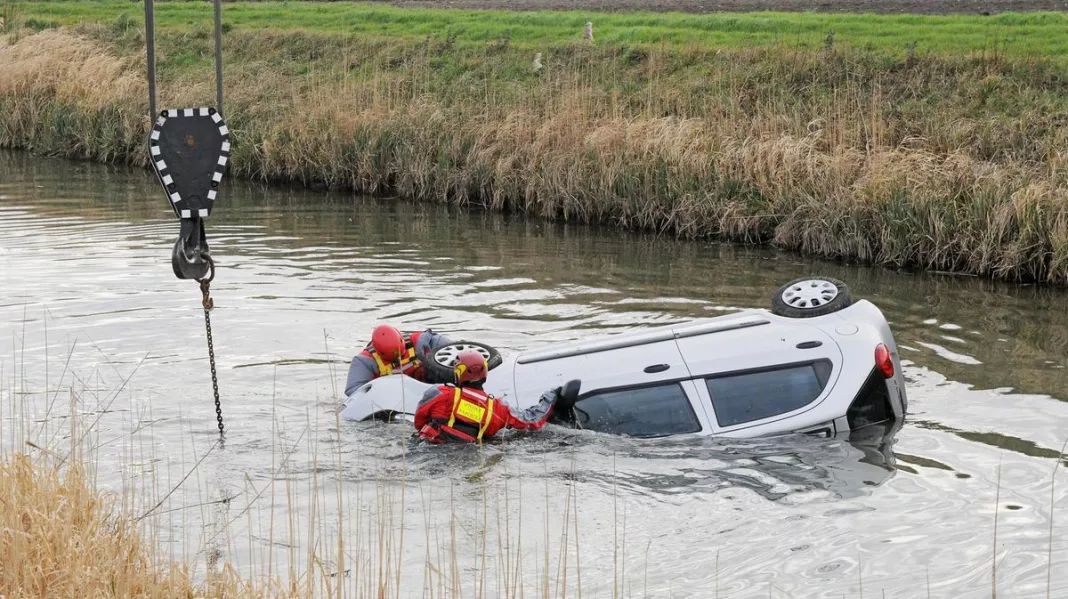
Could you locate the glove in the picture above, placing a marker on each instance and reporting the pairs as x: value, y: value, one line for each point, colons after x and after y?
x: 563, y: 403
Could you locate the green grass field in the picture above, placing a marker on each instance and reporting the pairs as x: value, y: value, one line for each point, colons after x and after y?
x: 1022, y: 34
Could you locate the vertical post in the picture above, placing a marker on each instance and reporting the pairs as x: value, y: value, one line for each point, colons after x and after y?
x: 218, y: 59
x: 150, y: 43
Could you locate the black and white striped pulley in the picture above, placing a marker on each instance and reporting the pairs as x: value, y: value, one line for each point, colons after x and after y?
x: 189, y: 150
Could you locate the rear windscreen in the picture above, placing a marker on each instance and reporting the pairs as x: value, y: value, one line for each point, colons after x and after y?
x: 746, y: 397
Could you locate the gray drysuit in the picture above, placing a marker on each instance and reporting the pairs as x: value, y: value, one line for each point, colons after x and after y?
x: 364, y: 369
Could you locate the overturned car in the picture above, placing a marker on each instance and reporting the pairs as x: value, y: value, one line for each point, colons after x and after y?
x: 816, y: 362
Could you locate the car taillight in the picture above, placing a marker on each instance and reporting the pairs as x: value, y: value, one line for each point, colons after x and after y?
x: 883, y: 361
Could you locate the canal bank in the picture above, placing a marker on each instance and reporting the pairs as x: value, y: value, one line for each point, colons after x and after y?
x: 847, y: 146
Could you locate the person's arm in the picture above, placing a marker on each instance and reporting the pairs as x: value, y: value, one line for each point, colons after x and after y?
x: 426, y: 403
x: 429, y: 342
x: 362, y: 370
x: 536, y: 416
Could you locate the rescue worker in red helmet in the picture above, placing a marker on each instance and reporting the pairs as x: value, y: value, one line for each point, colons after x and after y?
x: 464, y: 412
x: 392, y: 352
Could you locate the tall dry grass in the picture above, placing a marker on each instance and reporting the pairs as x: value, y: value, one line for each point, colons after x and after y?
x: 949, y: 163
x: 62, y: 536
x: 62, y: 91
x: 61, y: 539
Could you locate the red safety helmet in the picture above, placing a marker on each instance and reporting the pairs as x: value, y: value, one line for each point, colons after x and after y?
x: 471, y: 367
x: 388, y: 343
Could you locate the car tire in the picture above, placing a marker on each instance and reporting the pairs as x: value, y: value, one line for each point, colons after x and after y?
x: 438, y: 369
x: 809, y: 297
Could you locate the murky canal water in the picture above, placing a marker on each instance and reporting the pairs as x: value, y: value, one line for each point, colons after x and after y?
x: 89, y: 304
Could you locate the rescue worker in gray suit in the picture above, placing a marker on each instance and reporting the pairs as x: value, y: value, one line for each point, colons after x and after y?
x: 391, y: 352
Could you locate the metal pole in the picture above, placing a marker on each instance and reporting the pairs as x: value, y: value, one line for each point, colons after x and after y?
x: 150, y: 43
x: 218, y: 58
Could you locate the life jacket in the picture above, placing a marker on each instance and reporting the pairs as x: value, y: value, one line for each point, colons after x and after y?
x: 410, y: 364
x: 471, y: 417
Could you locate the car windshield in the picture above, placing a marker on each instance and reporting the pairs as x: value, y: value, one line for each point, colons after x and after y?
x: 639, y: 412
x: 746, y: 397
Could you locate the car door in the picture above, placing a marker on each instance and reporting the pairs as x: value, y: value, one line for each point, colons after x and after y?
x: 760, y: 373
x: 628, y: 382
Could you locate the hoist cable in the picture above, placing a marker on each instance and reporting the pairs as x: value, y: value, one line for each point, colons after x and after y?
x: 150, y: 44
x: 218, y: 58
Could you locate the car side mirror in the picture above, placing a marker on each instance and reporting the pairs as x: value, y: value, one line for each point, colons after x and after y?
x: 569, y: 392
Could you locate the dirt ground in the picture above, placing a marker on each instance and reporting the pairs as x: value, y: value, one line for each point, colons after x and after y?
x: 710, y: 6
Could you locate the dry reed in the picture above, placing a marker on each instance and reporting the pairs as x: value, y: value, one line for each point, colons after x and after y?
x: 59, y: 537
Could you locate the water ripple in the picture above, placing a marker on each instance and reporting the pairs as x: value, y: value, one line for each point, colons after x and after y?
x: 86, y: 274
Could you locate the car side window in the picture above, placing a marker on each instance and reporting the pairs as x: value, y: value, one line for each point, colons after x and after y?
x: 751, y: 396
x: 639, y: 412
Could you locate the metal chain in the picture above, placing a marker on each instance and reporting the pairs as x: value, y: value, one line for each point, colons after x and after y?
x: 208, y: 303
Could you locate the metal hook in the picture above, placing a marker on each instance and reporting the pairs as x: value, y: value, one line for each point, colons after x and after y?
x: 191, y: 258
x: 211, y: 269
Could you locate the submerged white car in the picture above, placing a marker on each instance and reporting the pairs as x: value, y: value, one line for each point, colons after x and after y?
x: 816, y: 362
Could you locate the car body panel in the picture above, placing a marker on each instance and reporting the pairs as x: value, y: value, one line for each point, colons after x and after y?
x: 738, y: 351
x: 620, y: 367
x: 384, y: 396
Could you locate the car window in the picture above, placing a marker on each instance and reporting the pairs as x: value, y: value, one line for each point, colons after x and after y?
x: 639, y: 412
x: 746, y: 397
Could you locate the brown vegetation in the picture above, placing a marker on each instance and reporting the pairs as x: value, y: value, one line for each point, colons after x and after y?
x: 920, y: 161
x: 60, y: 538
